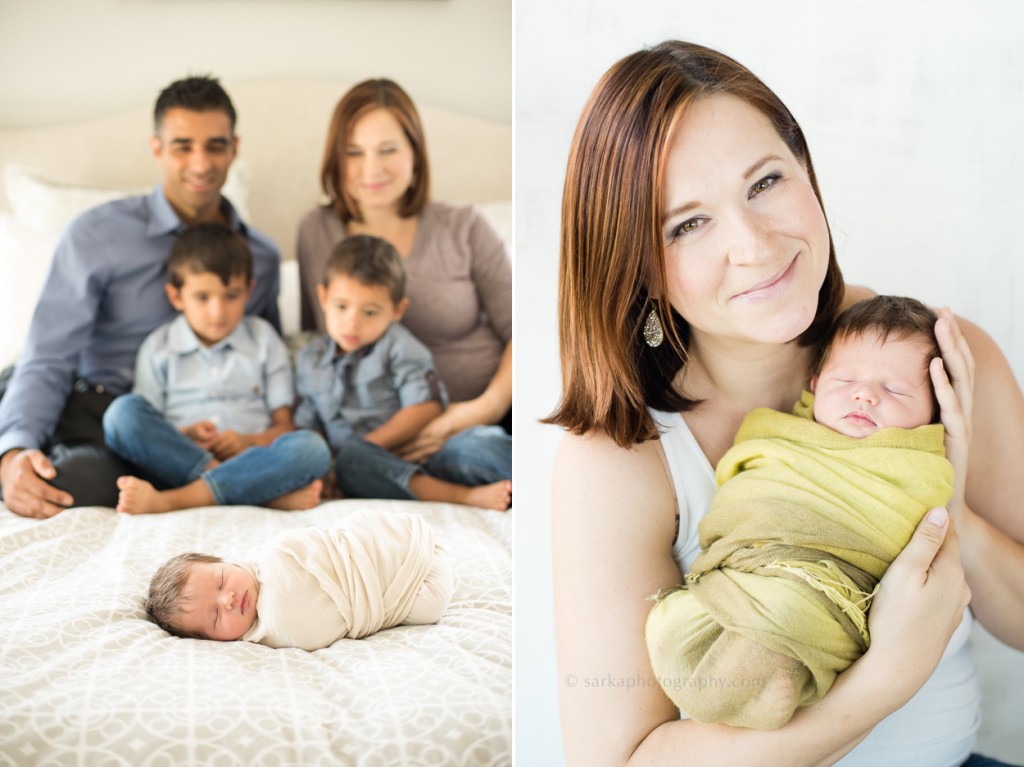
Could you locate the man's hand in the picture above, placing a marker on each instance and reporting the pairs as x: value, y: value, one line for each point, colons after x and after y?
x: 23, y: 475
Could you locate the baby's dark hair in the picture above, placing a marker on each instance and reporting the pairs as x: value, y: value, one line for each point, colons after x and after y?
x: 210, y: 248
x: 164, y: 603
x: 371, y: 261
x: 196, y: 93
x: 897, y: 317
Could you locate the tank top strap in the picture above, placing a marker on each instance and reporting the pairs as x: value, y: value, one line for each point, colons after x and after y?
x: 693, y: 482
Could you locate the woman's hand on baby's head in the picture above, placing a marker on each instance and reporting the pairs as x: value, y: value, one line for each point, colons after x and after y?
x: 953, y: 379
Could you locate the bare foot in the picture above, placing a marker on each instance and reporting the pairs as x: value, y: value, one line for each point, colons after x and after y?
x: 497, y: 495
x: 137, y: 496
x: 304, y: 498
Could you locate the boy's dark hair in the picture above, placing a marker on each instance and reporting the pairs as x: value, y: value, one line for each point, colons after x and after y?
x: 889, y: 316
x: 197, y: 93
x: 164, y: 603
x: 370, y: 260
x: 211, y: 248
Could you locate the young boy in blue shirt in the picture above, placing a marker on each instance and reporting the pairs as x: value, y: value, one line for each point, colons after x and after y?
x: 209, y: 419
x: 370, y: 385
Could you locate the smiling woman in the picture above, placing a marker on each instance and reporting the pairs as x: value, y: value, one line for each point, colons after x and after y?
x: 690, y: 197
x: 765, y: 219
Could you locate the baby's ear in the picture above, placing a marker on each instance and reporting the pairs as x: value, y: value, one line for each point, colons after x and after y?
x: 814, y: 384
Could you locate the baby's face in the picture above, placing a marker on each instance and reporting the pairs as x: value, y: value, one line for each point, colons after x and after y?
x: 219, y: 600
x: 866, y: 385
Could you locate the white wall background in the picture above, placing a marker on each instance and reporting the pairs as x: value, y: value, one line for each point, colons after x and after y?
x: 71, y: 59
x: 914, y: 112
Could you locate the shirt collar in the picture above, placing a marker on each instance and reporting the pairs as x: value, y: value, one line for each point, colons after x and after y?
x: 181, y: 339
x: 333, y: 355
x: 163, y: 219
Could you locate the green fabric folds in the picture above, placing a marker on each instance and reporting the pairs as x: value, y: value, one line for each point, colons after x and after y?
x: 804, y: 525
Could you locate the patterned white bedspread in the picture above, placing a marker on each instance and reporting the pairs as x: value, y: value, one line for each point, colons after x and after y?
x: 86, y: 679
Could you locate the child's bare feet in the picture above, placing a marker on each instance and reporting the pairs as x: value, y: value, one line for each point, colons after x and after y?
x: 497, y: 495
x: 304, y: 498
x: 137, y: 496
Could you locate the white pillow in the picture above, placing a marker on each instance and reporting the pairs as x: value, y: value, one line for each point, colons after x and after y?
x: 500, y: 214
x: 48, y: 206
x: 25, y: 256
x: 288, y: 298
x: 41, y: 209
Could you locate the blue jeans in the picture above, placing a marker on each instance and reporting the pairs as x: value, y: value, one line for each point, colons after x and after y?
x: 477, y: 456
x: 139, y: 433
x: 977, y: 760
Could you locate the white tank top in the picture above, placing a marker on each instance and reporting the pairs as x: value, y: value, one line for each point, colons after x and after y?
x: 937, y: 727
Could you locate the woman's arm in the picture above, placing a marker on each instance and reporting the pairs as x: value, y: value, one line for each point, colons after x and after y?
x: 489, y: 408
x: 613, y: 525
x: 404, y: 424
x: 990, y: 519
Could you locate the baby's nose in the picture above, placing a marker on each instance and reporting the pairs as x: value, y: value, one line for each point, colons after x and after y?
x: 227, y: 600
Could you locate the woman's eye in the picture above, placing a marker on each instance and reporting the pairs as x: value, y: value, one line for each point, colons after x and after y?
x: 687, y: 227
x: 764, y: 184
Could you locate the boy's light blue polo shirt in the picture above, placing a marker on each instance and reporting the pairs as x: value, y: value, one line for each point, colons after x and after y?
x: 235, y: 383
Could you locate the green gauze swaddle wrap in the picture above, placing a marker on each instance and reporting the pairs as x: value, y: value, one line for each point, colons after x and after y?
x: 803, y: 526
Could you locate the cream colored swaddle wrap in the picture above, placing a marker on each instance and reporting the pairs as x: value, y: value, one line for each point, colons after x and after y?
x: 319, y: 585
x: 805, y: 523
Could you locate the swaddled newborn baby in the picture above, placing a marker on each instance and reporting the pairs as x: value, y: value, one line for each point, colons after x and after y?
x: 811, y: 510
x: 309, y: 587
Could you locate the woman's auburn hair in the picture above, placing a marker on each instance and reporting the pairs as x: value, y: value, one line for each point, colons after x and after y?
x: 612, y: 264
x: 361, y: 99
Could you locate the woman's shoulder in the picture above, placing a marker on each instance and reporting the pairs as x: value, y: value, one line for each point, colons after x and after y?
x: 321, y: 218
x: 467, y: 220
x: 594, y: 461
x: 855, y: 293
x: 447, y: 212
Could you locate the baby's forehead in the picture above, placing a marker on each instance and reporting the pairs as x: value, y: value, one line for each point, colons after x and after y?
x: 889, y: 343
x: 200, y: 577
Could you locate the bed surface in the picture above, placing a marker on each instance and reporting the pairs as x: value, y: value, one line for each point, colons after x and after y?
x: 85, y: 678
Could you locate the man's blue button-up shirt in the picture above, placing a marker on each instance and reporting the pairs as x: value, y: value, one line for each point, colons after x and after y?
x: 103, y: 295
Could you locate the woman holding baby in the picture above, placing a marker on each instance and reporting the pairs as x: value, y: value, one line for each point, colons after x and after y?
x: 697, y: 274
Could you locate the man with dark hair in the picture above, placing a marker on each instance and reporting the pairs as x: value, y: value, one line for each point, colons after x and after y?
x: 104, y: 294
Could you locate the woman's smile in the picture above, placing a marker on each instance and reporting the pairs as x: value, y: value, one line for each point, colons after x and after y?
x: 771, y: 287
